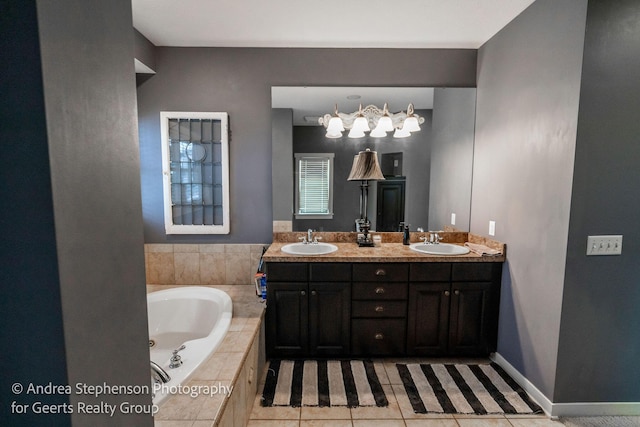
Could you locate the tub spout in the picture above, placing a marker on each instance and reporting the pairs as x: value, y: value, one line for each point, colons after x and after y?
x: 158, y: 374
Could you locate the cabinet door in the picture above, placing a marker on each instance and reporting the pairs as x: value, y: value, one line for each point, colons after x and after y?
x: 287, y: 319
x: 329, y: 318
x: 472, y: 315
x: 428, y: 318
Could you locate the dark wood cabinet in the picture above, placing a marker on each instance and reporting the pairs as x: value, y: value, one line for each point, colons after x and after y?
x: 428, y: 318
x: 308, y: 309
x: 379, y: 309
x: 382, y: 309
x: 454, y: 317
x: 287, y: 318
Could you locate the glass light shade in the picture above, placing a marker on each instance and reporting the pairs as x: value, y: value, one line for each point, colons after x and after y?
x: 378, y: 132
x: 411, y: 124
x: 335, y: 125
x: 401, y: 133
x: 333, y: 134
x: 385, y: 124
x: 356, y: 133
x: 361, y: 124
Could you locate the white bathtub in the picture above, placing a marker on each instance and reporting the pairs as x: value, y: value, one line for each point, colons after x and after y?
x: 194, y: 316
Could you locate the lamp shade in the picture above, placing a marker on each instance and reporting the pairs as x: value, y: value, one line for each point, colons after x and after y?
x: 361, y: 124
x: 401, y: 133
x: 385, y: 123
x: 335, y: 125
x: 411, y: 124
x: 378, y: 132
x: 366, y: 167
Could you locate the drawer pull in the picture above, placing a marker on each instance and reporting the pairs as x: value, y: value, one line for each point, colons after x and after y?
x: 303, y: 293
x: 446, y: 293
x: 457, y: 292
x: 379, y: 309
x: 313, y: 293
x: 381, y: 272
x: 379, y: 336
x: 380, y: 290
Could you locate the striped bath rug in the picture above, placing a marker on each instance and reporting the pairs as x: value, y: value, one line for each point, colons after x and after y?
x: 464, y: 389
x: 322, y: 383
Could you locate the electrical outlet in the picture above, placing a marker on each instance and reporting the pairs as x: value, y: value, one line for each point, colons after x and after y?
x: 453, y: 219
x: 604, y: 245
x: 492, y: 228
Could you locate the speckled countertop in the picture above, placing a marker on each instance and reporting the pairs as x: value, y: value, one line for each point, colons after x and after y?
x: 391, y: 250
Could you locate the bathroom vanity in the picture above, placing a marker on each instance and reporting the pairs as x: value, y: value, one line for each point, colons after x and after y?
x: 381, y: 301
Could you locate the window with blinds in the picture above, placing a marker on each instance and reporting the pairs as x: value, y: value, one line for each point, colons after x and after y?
x: 314, y: 195
x: 195, y: 158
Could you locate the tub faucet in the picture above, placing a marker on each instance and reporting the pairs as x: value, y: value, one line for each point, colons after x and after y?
x: 158, y: 374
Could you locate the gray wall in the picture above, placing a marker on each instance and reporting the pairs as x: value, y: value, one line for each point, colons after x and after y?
x: 416, y: 151
x: 526, y: 121
x: 282, y: 163
x: 90, y: 101
x: 600, y: 331
x: 451, y: 157
x: 239, y: 80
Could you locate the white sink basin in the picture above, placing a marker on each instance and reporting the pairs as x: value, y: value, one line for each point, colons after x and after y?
x: 309, y: 248
x: 439, y: 249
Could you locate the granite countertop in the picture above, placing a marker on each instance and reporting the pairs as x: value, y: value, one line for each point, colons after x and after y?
x: 386, y: 252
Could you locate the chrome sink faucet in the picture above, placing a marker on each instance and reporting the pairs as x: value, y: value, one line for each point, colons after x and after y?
x: 158, y: 374
x: 309, y: 235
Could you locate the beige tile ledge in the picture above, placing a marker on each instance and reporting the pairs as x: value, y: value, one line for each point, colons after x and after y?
x: 222, y: 368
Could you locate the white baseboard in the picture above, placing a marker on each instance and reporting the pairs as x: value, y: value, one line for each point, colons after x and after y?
x: 578, y: 409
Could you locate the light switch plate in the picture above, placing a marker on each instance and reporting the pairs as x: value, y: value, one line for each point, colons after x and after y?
x: 492, y: 228
x: 604, y: 245
x: 453, y: 219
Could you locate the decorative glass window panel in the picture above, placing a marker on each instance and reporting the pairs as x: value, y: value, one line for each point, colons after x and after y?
x: 314, y: 185
x: 195, y: 157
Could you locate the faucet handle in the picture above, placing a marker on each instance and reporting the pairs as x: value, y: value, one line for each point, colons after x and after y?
x: 303, y: 239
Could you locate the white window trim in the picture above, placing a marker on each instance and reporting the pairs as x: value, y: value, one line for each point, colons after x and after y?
x: 296, y: 213
x: 170, y: 227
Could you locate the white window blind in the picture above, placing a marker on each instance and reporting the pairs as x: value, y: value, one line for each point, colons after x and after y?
x: 314, y: 185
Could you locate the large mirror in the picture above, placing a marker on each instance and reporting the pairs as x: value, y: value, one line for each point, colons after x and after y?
x: 427, y: 175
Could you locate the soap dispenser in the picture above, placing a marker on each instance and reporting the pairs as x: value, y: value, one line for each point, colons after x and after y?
x: 406, y: 238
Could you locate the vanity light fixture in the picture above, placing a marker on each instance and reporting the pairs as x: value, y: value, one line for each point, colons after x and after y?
x: 365, y: 168
x: 371, y: 119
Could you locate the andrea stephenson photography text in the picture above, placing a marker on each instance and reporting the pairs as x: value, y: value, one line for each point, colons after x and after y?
x: 93, y: 393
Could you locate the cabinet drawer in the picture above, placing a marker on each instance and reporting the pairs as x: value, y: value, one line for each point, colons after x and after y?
x: 287, y: 272
x: 430, y: 272
x: 381, y: 272
x: 379, y: 309
x: 475, y: 271
x: 379, y: 291
x: 330, y: 272
x: 378, y: 336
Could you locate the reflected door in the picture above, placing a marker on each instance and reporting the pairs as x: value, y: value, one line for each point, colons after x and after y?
x: 390, y: 207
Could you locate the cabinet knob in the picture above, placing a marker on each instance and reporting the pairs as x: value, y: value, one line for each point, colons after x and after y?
x: 313, y: 293
x: 380, y: 290
x: 379, y: 336
x: 381, y: 272
x: 457, y: 292
x: 446, y: 293
x: 379, y: 309
x: 303, y: 293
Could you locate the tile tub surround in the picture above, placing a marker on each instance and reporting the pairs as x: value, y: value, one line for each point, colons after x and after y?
x: 391, y: 250
x: 201, y: 264
x: 238, y: 362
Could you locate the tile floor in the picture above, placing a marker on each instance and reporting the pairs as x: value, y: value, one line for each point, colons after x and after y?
x: 399, y: 412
